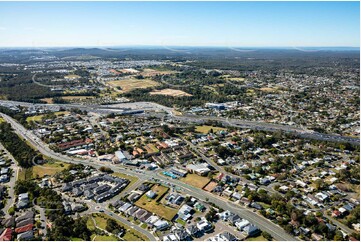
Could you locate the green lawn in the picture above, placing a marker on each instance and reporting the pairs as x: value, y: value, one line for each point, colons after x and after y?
x: 180, y: 221
x: 49, y: 169
x: 104, y: 238
x: 101, y: 222
x: 38, y: 118
x: 75, y: 239
x: 258, y: 238
x: 25, y: 174
x: 204, y: 129
x: 153, y: 205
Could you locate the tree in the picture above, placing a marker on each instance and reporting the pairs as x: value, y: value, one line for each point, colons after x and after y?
x: 267, y: 235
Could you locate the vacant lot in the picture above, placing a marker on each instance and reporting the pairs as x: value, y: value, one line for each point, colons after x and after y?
x: 258, y: 238
x: 48, y: 169
x: 25, y: 174
x: 38, y: 118
x: 47, y: 100
x: 153, y: 206
x: 204, y: 129
x: 129, y: 84
x: 268, y: 89
x: 101, y: 222
x: 170, y: 92
x: 235, y: 79
x: 151, y: 148
x: 71, y: 76
x: 195, y: 180
x: 210, y: 186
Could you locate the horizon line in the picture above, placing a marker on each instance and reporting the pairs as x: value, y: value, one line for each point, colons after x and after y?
x: 181, y: 46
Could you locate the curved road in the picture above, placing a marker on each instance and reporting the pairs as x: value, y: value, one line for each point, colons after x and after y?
x: 264, y: 224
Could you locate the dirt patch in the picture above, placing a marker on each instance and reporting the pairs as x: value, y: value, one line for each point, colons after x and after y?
x: 210, y: 186
x: 170, y: 92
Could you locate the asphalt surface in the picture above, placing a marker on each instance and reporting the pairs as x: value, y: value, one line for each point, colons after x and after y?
x: 154, y: 108
x: 264, y: 224
x: 11, y: 184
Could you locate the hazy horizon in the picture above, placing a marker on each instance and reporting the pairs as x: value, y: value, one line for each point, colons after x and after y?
x: 181, y: 24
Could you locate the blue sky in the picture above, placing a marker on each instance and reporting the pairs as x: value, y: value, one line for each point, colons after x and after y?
x: 255, y: 24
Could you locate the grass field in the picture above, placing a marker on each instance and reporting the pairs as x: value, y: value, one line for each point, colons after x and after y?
x: 236, y: 79
x: 70, y: 98
x: 258, y: 238
x: 132, y: 179
x: 49, y: 168
x: 130, y: 235
x: 38, y: 118
x: 195, y: 180
x: 25, y: 174
x: 170, y: 92
x: 75, y: 239
x: 101, y: 222
x: 2, y: 120
x: 204, y: 129
x: 150, y: 148
x: 153, y: 206
x: 130, y: 84
x: 104, y: 238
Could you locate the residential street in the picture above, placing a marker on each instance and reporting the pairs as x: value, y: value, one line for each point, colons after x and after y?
x: 11, y: 184
x: 276, y: 231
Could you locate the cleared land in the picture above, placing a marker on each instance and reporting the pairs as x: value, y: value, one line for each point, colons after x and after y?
x: 170, y: 92
x: 210, y: 186
x: 49, y: 169
x: 103, y: 238
x: 196, y: 180
x: 71, y: 76
x: 258, y: 238
x: 47, y: 100
x: 38, y: 118
x: 268, y: 89
x: 235, y: 79
x: 153, y: 205
x: 69, y: 98
x: 25, y: 174
x: 151, y: 72
x: 204, y: 129
x: 151, y: 148
x: 130, y: 84
x: 101, y: 222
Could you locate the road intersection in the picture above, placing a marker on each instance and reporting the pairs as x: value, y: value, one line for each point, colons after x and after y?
x: 264, y: 224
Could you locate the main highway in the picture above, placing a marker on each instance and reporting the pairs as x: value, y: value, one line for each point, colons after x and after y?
x: 264, y: 224
x: 154, y: 109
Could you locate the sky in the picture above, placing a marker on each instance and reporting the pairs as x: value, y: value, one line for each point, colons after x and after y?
x: 239, y: 24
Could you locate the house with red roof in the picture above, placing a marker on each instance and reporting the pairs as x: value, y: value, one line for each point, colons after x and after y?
x: 7, y: 235
x: 24, y: 228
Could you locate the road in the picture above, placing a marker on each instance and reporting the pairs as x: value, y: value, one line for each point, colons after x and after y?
x: 264, y: 224
x: 11, y: 184
x: 43, y: 221
x: 154, y: 108
x: 94, y: 207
